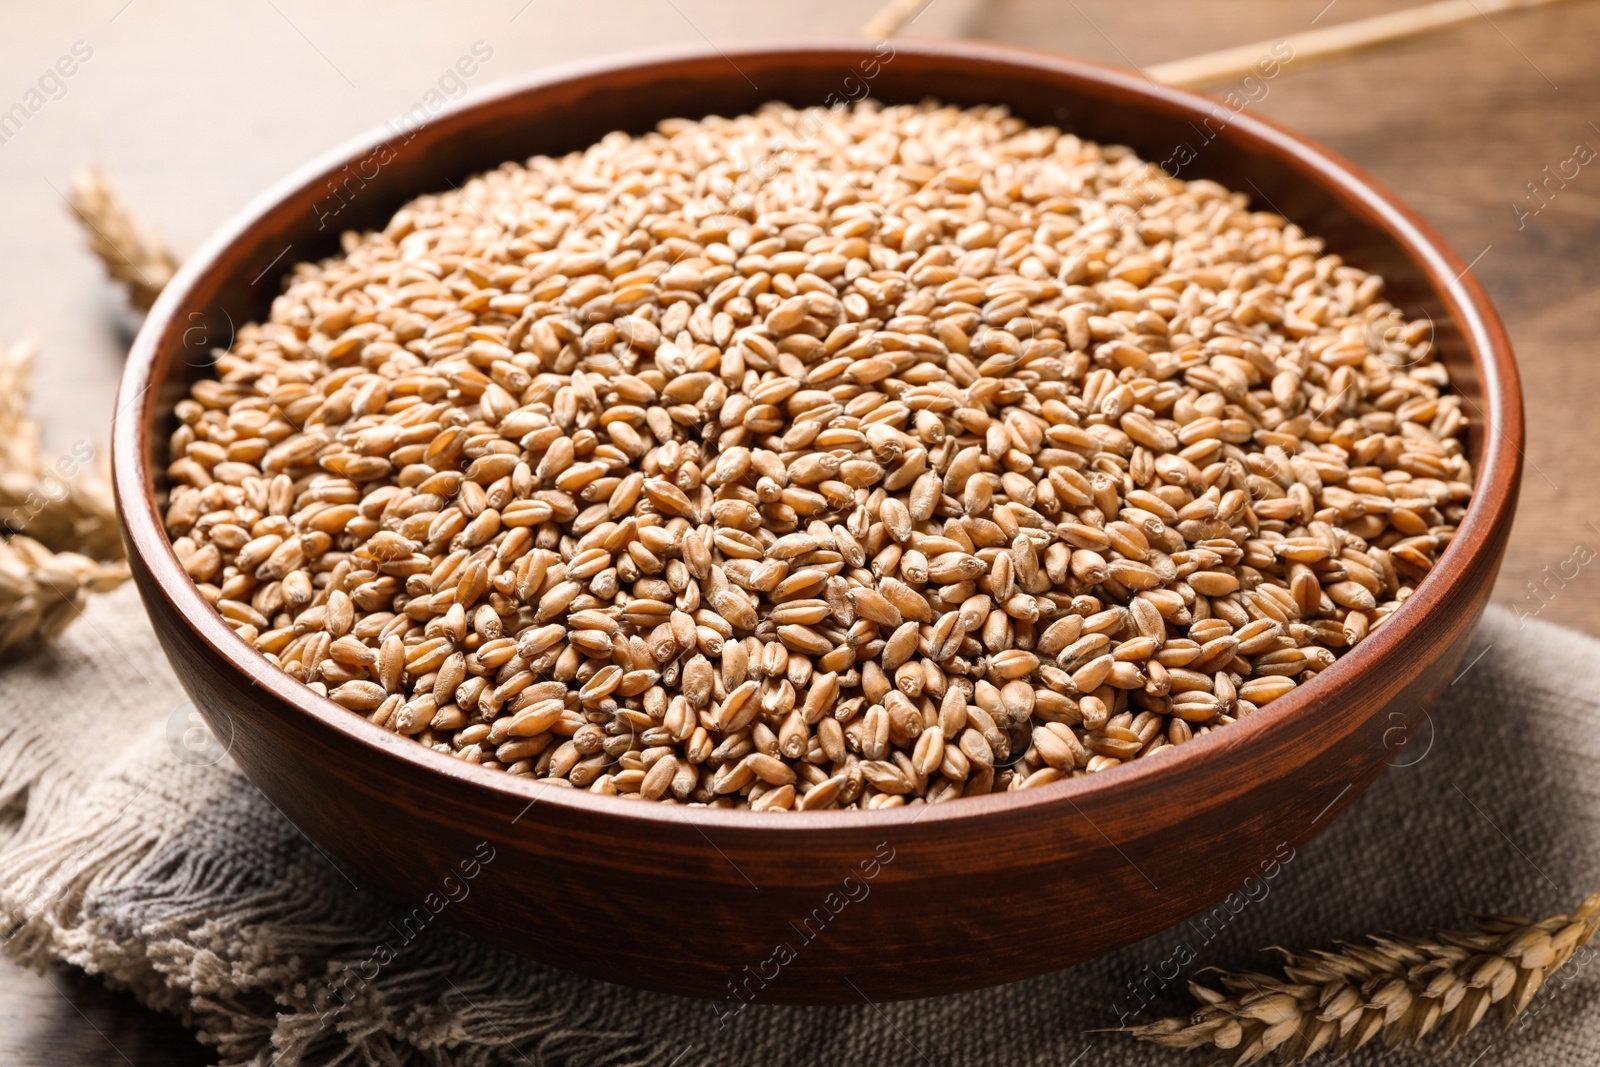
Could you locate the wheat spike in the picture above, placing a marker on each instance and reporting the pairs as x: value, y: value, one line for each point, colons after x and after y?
x: 53, y: 521
x: 42, y: 591
x: 132, y: 252
x: 58, y: 527
x: 66, y: 505
x: 19, y: 435
x: 1399, y: 989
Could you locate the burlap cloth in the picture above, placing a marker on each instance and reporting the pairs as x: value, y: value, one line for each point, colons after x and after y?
x: 131, y: 849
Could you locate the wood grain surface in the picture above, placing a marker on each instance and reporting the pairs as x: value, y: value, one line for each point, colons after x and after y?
x: 192, y: 126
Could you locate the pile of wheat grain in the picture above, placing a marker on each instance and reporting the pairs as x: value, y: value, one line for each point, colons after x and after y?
x: 808, y: 460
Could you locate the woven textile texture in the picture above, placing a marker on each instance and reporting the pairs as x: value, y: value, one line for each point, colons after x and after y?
x: 131, y: 849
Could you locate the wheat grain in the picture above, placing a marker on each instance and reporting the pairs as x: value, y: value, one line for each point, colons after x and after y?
x: 777, y: 465
x: 1402, y: 989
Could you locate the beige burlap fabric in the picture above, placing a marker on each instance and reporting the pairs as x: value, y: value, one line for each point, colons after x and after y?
x: 132, y: 850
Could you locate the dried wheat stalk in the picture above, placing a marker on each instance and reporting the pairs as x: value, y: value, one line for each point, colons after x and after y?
x: 57, y: 521
x: 892, y: 17
x: 41, y: 591
x: 132, y: 252
x: 1211, y: 68
x: 1399, y: 988
x: 19, y: 435
x: 66, y: 505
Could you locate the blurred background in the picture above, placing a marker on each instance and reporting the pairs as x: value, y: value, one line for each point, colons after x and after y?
x: 194, y: 108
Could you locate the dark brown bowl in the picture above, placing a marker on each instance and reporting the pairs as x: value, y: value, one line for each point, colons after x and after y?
x: 907, y: 902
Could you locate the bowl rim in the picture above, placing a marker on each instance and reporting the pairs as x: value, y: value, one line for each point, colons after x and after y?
x: 1497, y: 473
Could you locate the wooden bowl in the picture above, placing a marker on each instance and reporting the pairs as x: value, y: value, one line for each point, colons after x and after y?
x: 827, y: 906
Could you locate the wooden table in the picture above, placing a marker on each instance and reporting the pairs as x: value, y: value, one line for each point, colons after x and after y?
x: 197, y: 107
